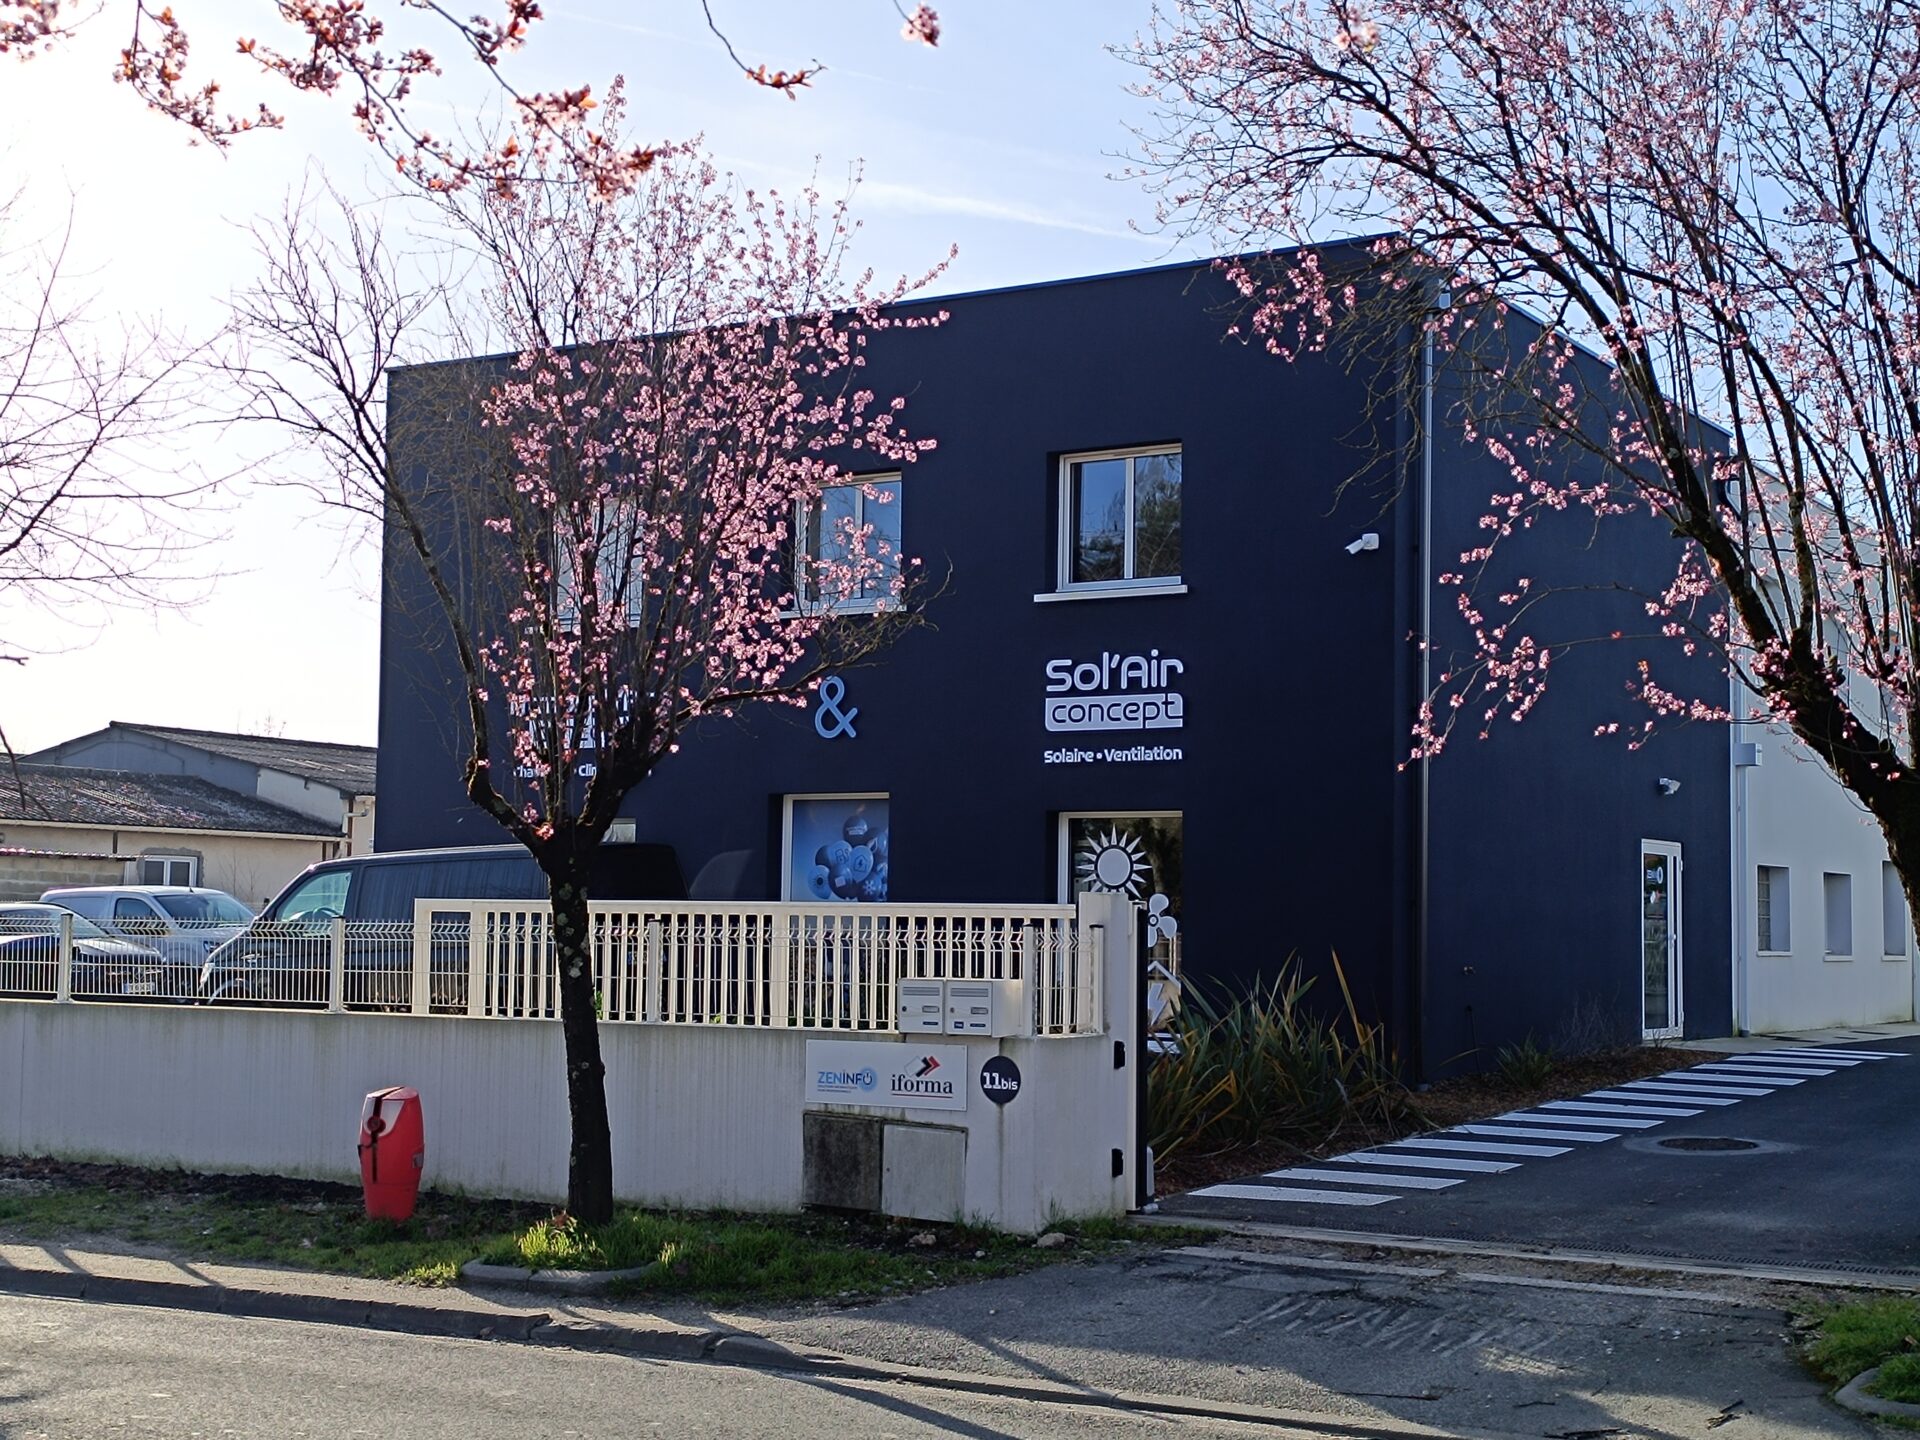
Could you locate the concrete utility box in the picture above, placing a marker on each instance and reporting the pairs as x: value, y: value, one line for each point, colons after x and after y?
x: 989, y: 1008
x: 922, y: 1006
x: 841, y: 1161
x: 925, y: 1173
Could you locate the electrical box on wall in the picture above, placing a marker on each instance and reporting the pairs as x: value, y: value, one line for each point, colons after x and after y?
x: 984, y: 1007
x: 922, y: 1006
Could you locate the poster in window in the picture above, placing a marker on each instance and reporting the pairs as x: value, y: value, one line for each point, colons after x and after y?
x: 839, y: 849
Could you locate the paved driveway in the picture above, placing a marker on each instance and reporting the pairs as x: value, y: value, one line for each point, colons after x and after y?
x: 1802, y: 1154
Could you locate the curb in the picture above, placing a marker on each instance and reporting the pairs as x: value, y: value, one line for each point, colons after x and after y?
x: 1854, y: 1396
x: 551, y: 1282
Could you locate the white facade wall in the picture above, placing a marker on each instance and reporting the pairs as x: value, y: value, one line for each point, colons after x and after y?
x: 703, y: 1116
x: 304, y: 797
x: 1790, y: 812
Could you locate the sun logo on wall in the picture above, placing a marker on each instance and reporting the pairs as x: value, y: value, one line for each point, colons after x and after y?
x: 1114, y: 861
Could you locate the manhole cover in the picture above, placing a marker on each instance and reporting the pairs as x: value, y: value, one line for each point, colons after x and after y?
x: 1707, y: 1142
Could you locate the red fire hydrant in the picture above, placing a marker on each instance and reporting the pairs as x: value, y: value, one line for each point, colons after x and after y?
x: 393, y: 1147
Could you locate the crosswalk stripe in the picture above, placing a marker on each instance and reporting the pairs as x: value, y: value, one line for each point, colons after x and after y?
x: 1844, y: 1054
x: 1640, y: 1096
x: 1691, y: 1095
x: 1786, y: 1060
x: 1734, y: 1072
x: 1428, y: 1162
x: 1481, y: 1147
x: 1529, y: 1132
x: 1365, y: 1177
x: 1615, y: 1109
x: 1610, y: 1122
x: 1712, y: 1084
x: 1284, y: 1192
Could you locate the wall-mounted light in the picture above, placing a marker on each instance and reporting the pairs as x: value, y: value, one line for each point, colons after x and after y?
x: 1668, y: 787
x: 1368, y: 541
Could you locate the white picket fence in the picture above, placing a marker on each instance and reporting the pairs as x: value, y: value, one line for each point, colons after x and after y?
x: 786, y: 965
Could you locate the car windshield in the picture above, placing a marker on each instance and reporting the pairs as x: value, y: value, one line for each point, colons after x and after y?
x: 207, y: 908
x: 33, y: 919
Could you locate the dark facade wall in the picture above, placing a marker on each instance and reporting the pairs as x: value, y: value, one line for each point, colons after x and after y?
x: 1292, y: 648
x: 1533, y: 924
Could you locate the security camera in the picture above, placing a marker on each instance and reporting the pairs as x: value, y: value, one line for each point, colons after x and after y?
x: 1669, y: 787
x: 1368, y: 541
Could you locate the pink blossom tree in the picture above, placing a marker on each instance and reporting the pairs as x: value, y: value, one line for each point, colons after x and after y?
x: 606, y: 519
x: 1714, y: 195
x: 363, y: 51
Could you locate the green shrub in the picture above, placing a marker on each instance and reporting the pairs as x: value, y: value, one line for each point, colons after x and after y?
x: 1265, y: 1066
x: 1525, y: 1066
x: 1860, y: 1334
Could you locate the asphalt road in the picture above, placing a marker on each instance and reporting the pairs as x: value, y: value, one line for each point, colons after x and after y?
x: 1834, y: 1182
x: 73, y: 1370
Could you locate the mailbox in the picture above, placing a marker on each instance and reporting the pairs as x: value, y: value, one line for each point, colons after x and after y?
x: 985, y: 1007
x: 922, y: 1006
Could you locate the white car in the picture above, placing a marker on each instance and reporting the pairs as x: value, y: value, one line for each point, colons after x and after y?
x: 185, y: 923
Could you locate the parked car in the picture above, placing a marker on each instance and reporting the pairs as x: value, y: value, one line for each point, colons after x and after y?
x: 283, y: 957
x: 104, y: 966
x: 183, y: 922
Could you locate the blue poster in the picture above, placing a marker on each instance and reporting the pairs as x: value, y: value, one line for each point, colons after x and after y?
x: 838, y: 850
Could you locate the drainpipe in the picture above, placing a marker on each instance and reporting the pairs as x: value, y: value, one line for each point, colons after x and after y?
x: 1741, y: 757
x: 1423, y: 789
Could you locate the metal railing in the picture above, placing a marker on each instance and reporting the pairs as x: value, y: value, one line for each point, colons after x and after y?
x: 809, y: 966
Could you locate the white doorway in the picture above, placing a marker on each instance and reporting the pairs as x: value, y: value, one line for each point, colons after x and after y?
x: 1660, y: 958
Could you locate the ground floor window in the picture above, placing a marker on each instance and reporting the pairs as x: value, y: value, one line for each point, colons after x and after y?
x: 167, y: 869
x: 836, y: 848
x: 1137, y: 855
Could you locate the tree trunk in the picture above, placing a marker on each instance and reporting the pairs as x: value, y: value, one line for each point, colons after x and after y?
x: 590, y: 1157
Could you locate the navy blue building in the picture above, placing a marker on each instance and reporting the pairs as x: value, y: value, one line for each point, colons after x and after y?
x: 1165, y: 658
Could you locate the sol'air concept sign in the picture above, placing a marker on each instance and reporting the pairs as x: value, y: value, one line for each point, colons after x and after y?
x: 1115, y: 692
x: 885, y: 1075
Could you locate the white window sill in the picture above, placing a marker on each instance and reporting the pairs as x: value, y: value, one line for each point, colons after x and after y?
x: 1833, y: 959
x: 1775, y: 954
x: 1894, y: 959
x: 1111, y: 592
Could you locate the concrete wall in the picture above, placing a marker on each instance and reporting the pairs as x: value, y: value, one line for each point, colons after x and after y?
x: 27, y: 877
x: 703, y: 1116
x: 1798, y: 816
x: 308, y: 797
x: 252, y: 868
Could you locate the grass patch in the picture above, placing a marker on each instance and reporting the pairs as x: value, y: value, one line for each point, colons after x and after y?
x: 312, y: 1225
x: 726, y: 1257
x: 251, y: 1219
x: 1860, y: 1334
x: 1899, y: 1379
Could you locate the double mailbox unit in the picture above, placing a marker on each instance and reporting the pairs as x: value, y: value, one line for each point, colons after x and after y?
x: 993, y: 1009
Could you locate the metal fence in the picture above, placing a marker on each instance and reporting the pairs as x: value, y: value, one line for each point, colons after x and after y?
x: 819, y: 967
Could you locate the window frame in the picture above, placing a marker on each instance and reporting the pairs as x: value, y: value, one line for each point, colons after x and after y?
x: 787, y: 896
x: 566, y: 617
x: 804, y: 604
x: 1893, y: 913
x: 1064, y: 836
x: 1838, y: 937
x: 1779, y: 904
x: 1065, y: 585
x: 167, y: 860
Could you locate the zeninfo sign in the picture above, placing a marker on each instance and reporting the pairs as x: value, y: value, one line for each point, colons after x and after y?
x: 1115, y: 694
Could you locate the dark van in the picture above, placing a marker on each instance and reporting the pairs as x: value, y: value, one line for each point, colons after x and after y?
x: 284, y: 956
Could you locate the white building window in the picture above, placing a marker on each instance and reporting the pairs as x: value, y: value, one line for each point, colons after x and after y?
x: 836, y: 848
x: 1838, y: 892
x: 617, y: 566
x: 1120, y: 519
x: 1893, y: 913
x: 1775, y: 928
x: 850, y: 545
x: 168, y: 869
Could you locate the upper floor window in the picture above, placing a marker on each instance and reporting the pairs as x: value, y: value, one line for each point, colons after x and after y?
x: 1120, y: 518
x: 850, y: 545
x: 617, y: 569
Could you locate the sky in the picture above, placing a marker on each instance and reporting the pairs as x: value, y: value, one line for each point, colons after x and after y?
x: 1004, y: 141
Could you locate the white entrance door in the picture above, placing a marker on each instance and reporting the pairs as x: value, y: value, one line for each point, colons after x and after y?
x: 1660, y: 938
